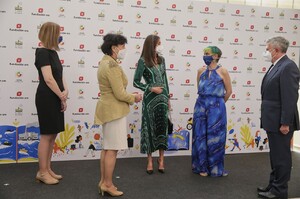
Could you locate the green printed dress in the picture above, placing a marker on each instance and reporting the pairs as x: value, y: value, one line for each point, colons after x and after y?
x: 155, y: 106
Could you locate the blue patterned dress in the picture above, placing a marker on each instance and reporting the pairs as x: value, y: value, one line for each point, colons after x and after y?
x: 209, y: 125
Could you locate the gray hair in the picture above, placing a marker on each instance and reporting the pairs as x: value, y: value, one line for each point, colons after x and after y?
x: 279, y: 42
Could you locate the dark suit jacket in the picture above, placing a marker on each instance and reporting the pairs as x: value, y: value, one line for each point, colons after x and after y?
x: 279, y: 91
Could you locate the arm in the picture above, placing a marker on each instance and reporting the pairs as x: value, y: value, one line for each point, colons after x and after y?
x: 51, y: 83
x: 289, y: 85
x: 115, y: 79
x: 138, y: 76
x: 165, y: 77
x: 66, y: 90
x: 199, y: 72
x: 227, y: 84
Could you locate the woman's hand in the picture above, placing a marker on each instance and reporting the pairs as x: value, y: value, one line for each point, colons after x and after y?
x: 63, y: 106
x: 138, y: 97
x: 157, y: 90
x: 66, y: 93
x: 63, y: 96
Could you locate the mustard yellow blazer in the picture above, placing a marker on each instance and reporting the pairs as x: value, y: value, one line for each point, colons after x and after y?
x: 114, y: 100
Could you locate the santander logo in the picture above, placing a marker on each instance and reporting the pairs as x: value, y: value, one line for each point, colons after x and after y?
x: 40, y: 10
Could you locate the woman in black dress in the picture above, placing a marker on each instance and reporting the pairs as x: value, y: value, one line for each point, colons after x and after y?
x: 50, y: 99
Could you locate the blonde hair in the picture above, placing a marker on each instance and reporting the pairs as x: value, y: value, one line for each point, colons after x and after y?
x: 49, y: 34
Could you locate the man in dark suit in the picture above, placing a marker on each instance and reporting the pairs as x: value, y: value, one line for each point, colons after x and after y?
x: 279, y: 115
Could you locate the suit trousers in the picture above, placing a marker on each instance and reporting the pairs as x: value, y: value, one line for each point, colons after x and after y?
x: 281, y: 162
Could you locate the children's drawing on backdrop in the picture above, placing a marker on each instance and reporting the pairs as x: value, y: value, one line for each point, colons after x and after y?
x: 28, y: 142
x: 78, y: 139
x: 189, y: 125
x: 19, y: 143
x: 64, y: 139
x: 8, y: 143
x: 179, y: 139
x: 248, y: 134
x: 133, y: 137
x: 91, y: 150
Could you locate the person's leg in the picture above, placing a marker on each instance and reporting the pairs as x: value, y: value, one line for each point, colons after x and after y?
x: 160, y: 161
x: 216, y: 137
x: 109, y: 166
x: 110, y: 157
x: 43, y: 156
x: 102, y: 168
x: 199, y: 136
x: 281, y: 160
x: 43, y: 152
x: 149, y: 164
x: 51, y: 145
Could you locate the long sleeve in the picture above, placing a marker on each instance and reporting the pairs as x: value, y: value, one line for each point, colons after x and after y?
x: 115, y: 78
x: 289, y: 85
x: 138, y: 76
x: 165, y: 77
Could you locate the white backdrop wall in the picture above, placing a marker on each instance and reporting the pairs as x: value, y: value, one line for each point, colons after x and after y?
x: 185, y: 28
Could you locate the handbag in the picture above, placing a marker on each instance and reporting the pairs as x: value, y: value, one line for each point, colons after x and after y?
x: 170, y: 125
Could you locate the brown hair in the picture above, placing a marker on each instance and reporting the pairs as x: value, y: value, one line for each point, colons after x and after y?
x: 49, y: 34
x: 148, y: 52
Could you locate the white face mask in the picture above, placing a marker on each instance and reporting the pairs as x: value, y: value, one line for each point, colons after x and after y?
x: 267, y: 54
x: 159, y: 49
x: 121, y: 54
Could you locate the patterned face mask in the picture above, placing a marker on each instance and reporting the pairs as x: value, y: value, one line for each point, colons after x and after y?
x: 208, y: 59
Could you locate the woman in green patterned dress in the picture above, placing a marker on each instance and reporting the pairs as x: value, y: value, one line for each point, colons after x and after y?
x: 151, y: 66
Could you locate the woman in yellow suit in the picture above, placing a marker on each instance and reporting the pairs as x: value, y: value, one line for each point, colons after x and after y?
x: 112, y: 108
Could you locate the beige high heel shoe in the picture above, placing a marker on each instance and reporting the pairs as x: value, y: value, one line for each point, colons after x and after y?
x: 57, y: 177
x: 111, y: 191
x: 46, y: 178
x: 100, y: 183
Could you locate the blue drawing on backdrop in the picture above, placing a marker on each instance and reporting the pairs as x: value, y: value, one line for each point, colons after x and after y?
x: 19, y: 143
x: 179, y: 140
x: 28, y: 142
x: 7, y: 143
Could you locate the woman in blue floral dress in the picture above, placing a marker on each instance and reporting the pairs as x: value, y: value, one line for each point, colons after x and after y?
x: 209, y: 120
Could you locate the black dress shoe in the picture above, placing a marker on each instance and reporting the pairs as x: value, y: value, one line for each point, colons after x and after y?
x: 149, y: 172
x: 267, y: 194
x: 264, y: 189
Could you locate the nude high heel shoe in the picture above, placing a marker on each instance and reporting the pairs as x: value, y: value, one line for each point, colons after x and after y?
x: 46, y: 178
x: 57, y: 177
x: 111, y: 191
x: 100, y: 183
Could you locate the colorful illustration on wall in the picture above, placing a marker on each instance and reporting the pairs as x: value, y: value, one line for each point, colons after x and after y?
x: 8, y: 144
x: 179, y: 140
x: 245, y: 136
x: 19, y: 143
x: 28, y: 141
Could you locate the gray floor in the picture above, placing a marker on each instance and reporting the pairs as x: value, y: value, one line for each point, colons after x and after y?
x: 246, y: 172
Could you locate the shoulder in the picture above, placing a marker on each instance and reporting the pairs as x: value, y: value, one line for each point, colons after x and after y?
x: 41, y: 51
x: 162, y: 58
x: 201, y: 70
x: 108, y: 62
x: 141, y: 61
x: 223, y: 70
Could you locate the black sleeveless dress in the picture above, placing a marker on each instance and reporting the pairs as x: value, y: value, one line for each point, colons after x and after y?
x: 48, y: 104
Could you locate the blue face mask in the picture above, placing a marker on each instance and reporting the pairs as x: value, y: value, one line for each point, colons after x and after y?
x: 207, y: 59
x: 60, y: 38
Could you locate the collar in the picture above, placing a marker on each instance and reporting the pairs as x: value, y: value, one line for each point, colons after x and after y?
x: 278, y: 59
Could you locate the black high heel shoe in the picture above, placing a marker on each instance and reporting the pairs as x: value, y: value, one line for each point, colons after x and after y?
x: 150, y: 172
x: 160, y: 170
